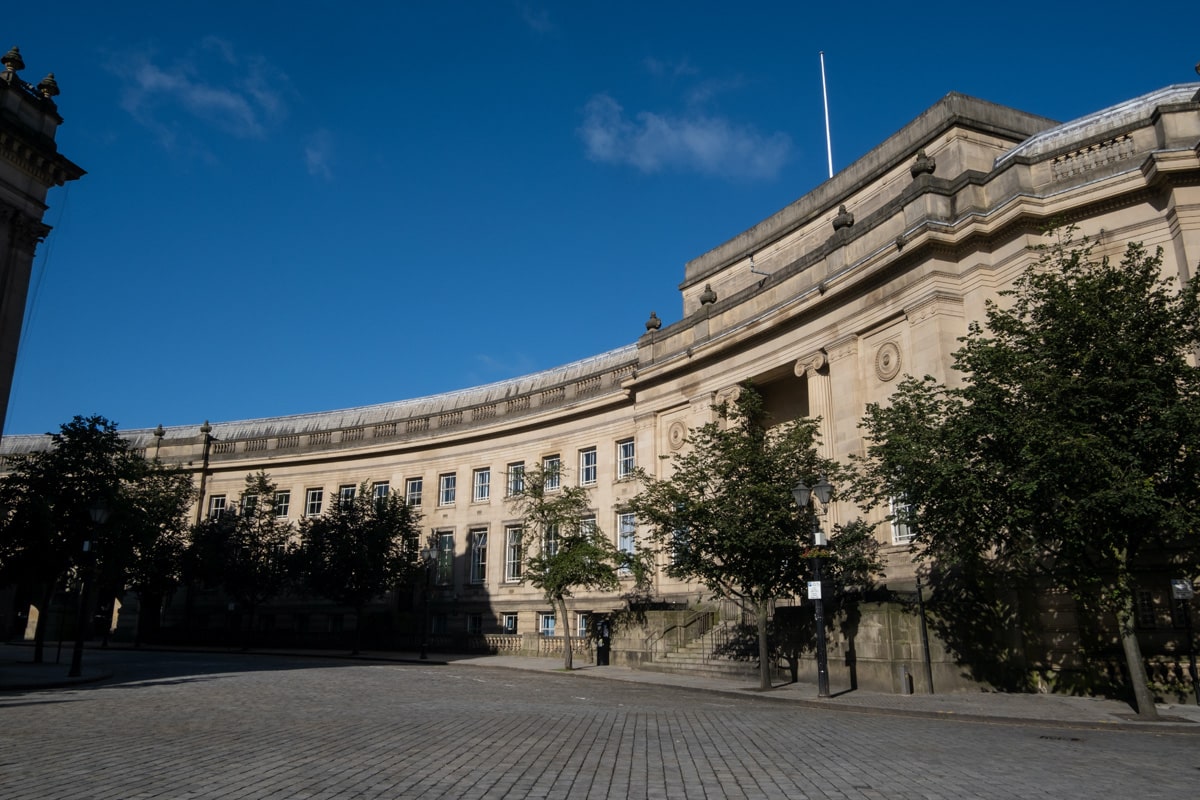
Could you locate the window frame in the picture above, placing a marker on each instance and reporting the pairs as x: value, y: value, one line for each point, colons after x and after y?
x: 443, y: 571
x: 589, y: 466
x: 552, y: 472
x: 283, y: 502
x: 546, y: 623
x: 514, y: 474
x: 509, y: 617
x: 626, y: 460
x: 347, y: 492
x: 477, y: 541
x: 902, y: 532
x: 514, y: 553
x: 314, y: 497
x: 447, y: 488
x: 481, y: 485
x: 413, y: 490
x: 217, y: 506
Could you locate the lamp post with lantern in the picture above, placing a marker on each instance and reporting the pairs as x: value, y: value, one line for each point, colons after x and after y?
x: 821, y: 493
x: 99, y: 513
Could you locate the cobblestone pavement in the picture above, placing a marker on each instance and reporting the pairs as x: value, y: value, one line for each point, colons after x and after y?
x: 231, y: 726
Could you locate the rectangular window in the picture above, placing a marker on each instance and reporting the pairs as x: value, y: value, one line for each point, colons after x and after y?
x: 445, y: 558
x: 1143, y: 607
x: 902, y: 532
x: 509, y: 623
x: 412, y: 491
x: 381, y: 489
x: 313, y: 499
x: 546, y: 624
x: 482, y: 484
x: 552, y: 469
x: 1179, y: 612
x: 587, y: 466
x: 249, y: 503
x: 216, y: 506
x: 516, y: 478
x: 438, y: 624
x: 587, y: 525
x: 581, y: 625
x: 513, y: 553
x: 283, y: 503
x: 346, y: 493
x: 625, y: 459
x: 626, y: 535
x: 474, y: 624
x: 447, y: 486
x: 550, y: 541
x: 478, y: 543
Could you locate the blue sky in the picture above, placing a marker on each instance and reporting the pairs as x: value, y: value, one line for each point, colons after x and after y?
x: 302, y: 206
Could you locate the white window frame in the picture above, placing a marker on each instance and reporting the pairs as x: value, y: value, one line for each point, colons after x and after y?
x: 626, y: 458
x: 413, y: 488
x: 589, y: 466
x: 477, y: 540
x: 515, y: 474
x: 514, y: 554
x: 347, y: 493
x: 581, y: 624
x: 626, y: 535
x: 447, y: 488
x: 216, y: 506
x: 546, y: 623
x: 283, y: 502
x: 902, y: 532
x: 380, y: 490
x: 481, y: 485
x: 508, y: 622
x: 314, y: 501
x: 552, y: 471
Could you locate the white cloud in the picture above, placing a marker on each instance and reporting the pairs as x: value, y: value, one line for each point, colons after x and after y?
x: 538, y: 19
x: 244, y: 101
x: 317, y: 153
x: 691, y: 142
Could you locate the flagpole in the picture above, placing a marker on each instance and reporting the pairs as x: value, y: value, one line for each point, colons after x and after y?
x: 825, y: 95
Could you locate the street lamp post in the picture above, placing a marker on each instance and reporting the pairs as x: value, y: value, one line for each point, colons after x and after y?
x: 428, y: 559
x: 805, y: 496
x: 99, y: 514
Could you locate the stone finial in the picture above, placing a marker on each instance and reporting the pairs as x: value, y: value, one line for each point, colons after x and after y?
x: 206, y: 429
x: 12, y: 60
x: 924, y: 165
x: 654, y: 323
x: 708, y: 296
x: 48, y: 87
x: 844, y: 219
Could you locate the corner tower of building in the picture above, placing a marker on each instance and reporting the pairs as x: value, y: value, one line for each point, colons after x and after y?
x: 30, y: 165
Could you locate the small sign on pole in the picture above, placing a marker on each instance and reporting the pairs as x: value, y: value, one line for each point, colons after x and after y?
x: 814, y: 590
x: 1181, y: 589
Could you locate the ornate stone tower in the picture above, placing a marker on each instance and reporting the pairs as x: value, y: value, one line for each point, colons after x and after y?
x: 29, y: 165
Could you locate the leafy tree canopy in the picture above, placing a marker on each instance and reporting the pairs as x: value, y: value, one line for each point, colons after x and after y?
x: 1071, y: 449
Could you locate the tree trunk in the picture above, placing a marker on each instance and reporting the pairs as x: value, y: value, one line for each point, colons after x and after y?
x: 764, y: 657
x: 1133, y: 661
x: 568, y: 663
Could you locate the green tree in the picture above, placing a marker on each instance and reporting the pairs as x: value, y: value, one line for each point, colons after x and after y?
x: 360, y: 548
x: 1071, y: 450
x: 44, y: 509
x: 726, y: 516
x: 564, y: 550
x: 154, y: 528
x: 246, y: 550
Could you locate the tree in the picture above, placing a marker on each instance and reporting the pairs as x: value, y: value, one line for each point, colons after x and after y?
x: 564, y: 550
x: 154, y: 526
x: 1071, y: 450
x: 361, y: 547
x: 726, y: 516
x: 44, y: 509
x: 246, y: 550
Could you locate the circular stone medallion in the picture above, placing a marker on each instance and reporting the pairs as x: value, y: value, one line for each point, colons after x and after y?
x: 887, y: 361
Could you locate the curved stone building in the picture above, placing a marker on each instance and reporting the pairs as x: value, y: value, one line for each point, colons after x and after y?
x: 872, y: 275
